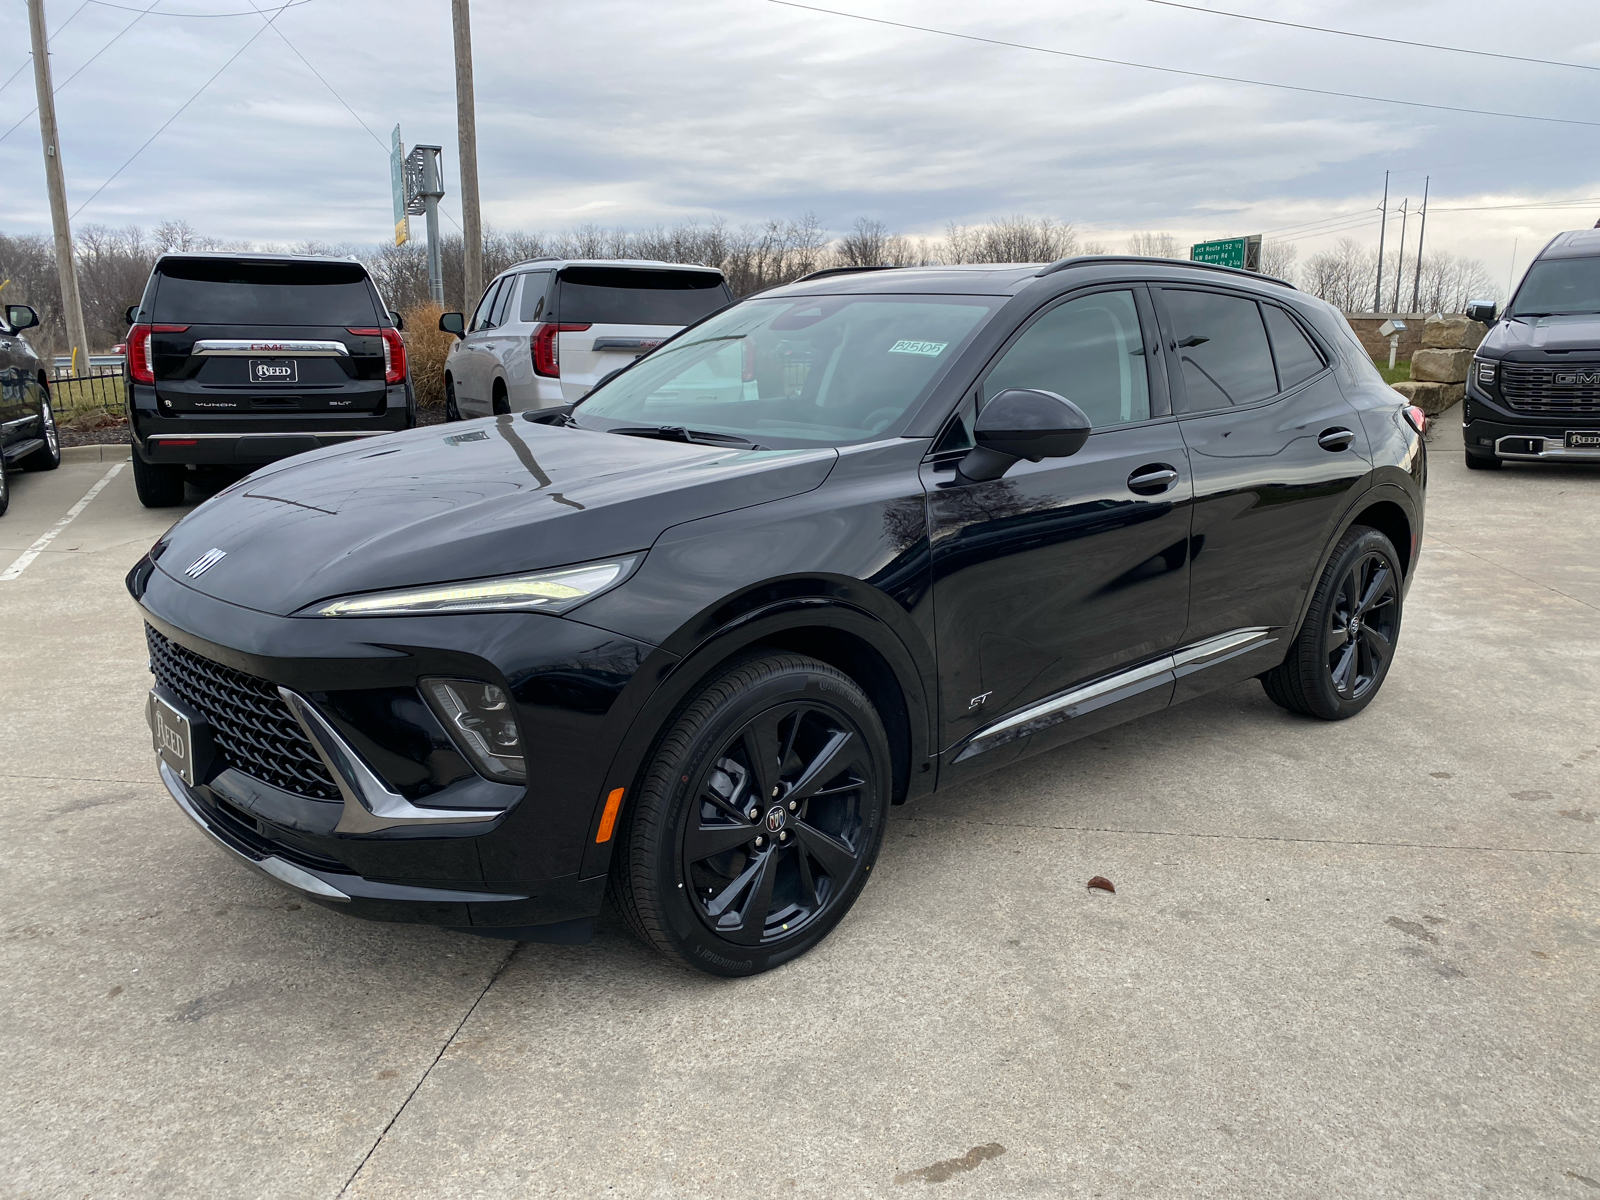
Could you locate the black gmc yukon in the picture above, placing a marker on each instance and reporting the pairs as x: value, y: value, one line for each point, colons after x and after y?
x: 235, y: 360
x: 1533, y: 394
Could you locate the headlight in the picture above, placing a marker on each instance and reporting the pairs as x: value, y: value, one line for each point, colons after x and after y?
x: 481, y: 723
x: 544, y: 591
x: 1485, y: 371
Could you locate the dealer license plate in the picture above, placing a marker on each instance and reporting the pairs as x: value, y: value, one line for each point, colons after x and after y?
x: 274, y: 370
x: 1583, y: 439
x: 172, y: 737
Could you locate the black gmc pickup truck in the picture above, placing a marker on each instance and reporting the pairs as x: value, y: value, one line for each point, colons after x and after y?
x: 1533, y: 394
x: 235, y: 360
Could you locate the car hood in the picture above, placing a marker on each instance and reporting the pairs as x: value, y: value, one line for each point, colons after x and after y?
x: 490, y: 497
x: 1580, y: 331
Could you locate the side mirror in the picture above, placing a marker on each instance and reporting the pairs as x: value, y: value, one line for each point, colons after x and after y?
x: 1481, y: 310
x: 454, y: 323
x: 20, y: 317
x: 132, y: 314
x: 399, y: 321
x: 1024, y: 423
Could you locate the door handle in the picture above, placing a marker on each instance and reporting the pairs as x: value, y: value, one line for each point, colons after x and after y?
x: 1335, y: 439
x: 1152, y: 480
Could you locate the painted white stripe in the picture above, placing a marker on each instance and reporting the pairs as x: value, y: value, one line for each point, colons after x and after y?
x: 33, y: 551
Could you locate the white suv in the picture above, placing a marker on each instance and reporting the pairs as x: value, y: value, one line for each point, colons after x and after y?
x: 547, y: 330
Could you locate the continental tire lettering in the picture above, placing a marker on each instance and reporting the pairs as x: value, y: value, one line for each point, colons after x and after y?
x: 713, y: 957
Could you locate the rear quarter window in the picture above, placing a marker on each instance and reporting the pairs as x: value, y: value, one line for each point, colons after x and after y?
x: 223, y: 292
x: 619, y: 296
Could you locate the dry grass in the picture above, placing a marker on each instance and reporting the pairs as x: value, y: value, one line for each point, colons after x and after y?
x: 426, y: 347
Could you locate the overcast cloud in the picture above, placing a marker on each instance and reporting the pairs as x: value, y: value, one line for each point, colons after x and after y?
x: 621, y: 112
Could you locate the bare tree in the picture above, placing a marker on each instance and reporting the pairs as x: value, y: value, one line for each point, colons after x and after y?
x: 1278, y: 259
x: 1014, y: 239
x: 1342, y: 276
x: 1094, y: 248
x: 866, y: 244
x: 1154, y: 245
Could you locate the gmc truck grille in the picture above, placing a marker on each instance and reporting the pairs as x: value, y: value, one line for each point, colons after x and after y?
x: 1560, y: 391
x: 252, y: 727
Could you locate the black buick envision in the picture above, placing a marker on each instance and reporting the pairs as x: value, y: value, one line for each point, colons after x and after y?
x: 841, y: 544
x: 236, y: 360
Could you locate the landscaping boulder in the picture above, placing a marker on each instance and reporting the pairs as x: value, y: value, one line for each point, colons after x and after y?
x: 1441, y: 366
x: 1452, y: 332
x: 1431, y: 398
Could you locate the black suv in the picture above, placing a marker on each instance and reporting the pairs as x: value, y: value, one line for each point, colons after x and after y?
x: 840, y: 544
x: 28, y: 437
x: 235, y: 360
x: 1533, y: 394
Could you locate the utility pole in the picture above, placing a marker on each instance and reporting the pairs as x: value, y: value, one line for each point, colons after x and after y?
x: 467, y: 132
x: 55, y: 181
x: 1383, y: 228
x: 1400, y: 257
x: 1416, y: 282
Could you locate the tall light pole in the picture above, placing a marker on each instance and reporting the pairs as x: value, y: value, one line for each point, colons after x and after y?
x: 467, y: 132
x: 1383, y: 228
x: 55, y: 181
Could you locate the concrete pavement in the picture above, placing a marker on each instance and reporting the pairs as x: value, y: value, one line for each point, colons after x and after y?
x: 1342, y: 960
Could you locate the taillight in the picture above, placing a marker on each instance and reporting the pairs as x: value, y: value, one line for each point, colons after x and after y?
x: 1416, y: 418
x: 141, y: 363
x: 546, y: 348
x: 394, y: 352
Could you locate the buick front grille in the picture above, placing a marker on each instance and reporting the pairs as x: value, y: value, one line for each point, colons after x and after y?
x: 1559, y: 391
x: 251, y: 726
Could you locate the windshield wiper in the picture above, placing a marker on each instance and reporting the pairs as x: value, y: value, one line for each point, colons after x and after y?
x: 677, y: 433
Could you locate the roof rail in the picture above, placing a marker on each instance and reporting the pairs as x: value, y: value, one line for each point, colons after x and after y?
x: 823, y: 274
x: 1085, y: 260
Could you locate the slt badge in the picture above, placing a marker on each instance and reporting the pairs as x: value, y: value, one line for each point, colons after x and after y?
x: 205, y: 562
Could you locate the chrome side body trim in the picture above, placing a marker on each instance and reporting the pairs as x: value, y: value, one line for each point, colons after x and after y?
x: 1551, y: 449
x: 283, y: 872
x: 369, y: 805
x: 297, y: 348
x: 1115, y: 688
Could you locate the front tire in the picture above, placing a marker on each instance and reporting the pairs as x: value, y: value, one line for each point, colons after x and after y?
x: 1342, y: 654
x: 758, y: 818
x: 159, y: 485
x: 48, y: 456
x: 5, y: 487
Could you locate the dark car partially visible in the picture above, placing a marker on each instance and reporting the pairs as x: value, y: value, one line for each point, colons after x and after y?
x: 236, y: 360
x: 28, y: 438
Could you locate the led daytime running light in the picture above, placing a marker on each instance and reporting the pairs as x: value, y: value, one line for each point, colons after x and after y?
x: 543, y: 591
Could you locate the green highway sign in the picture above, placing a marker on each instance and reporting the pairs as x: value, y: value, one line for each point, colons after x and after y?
x: 1243, y: 253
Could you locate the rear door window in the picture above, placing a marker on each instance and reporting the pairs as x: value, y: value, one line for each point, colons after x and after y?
x: 1222, y: 350
x: 211, y: 291
x: 625, y: 296
x: 1298, y: 360
x: 535, y: 286
x: 1089, y: 350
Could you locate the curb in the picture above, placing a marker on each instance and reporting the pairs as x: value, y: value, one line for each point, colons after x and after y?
x: 79, y: 454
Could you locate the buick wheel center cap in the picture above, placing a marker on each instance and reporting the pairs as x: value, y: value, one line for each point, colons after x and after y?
x: 1355, y: 625
x: 777, y: 818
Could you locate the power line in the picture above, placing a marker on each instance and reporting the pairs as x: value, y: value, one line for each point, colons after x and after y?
x: 29, y: 59
x: 56, y: 90
x: 1372, y: 37
x: 177, y: 114
x: 1121, y: 62
x: 203, y: 16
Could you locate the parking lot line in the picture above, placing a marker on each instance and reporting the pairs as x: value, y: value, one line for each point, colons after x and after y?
x: 33, y: 551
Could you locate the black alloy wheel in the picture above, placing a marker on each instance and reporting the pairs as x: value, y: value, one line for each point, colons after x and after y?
x: 759, y: 819
x: 48, y: 456
x: 451, y: 412
x: 1345, y: 647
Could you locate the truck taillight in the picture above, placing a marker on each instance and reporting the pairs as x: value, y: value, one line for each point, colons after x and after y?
x: 546, y: 349
x: 394, y: 352
x: 141, y: 362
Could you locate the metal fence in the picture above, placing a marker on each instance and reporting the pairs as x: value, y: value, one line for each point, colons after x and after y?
x: 99, y: 389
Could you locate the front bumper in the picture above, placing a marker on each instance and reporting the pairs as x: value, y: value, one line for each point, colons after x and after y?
x: 1491, y: 432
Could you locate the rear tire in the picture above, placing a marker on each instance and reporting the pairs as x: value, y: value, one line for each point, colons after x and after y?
x: 1341, y: 656
x: 502, y: 407
x: 451, y: 412
x: 1483, y: 462
x: 159, y: 485
x: 797, y: 744
x: 48, y: 456
x: 5, y: 487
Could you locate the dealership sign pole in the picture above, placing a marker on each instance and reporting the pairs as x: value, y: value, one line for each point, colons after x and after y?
x: 424, y: 190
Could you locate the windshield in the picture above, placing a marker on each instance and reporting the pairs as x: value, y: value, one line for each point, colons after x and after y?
x: 1559, y: 285
x: 785, y: 373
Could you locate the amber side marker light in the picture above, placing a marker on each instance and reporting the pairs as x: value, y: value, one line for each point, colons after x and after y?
x: 608, y: 819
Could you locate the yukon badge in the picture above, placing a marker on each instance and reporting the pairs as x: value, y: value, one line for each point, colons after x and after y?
x: 205, y: 562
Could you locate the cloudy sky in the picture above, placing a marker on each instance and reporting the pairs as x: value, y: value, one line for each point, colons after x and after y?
x: 624, y: 112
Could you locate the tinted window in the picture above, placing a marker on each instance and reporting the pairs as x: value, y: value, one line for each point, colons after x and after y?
x: 1223, y: 348
x: 1089, y: 350
x: 534, y: 286
x: 1298, y: 359
x: 1559, y: 285
x: 619, y: 296
x: 503, y: 301
x: 480, y: 319
x: 202, y: 291
x: 822, y: 370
